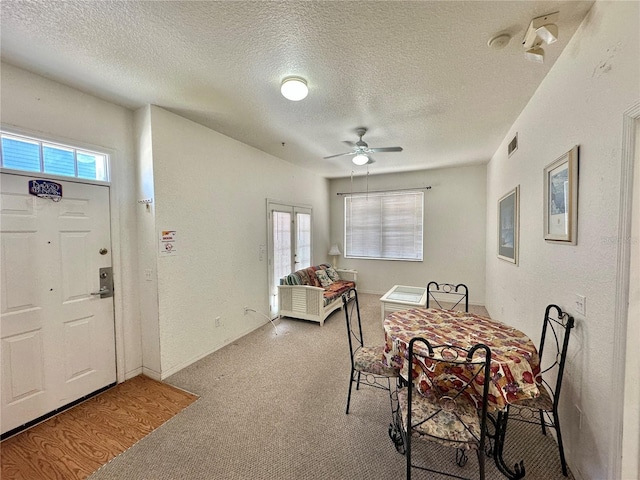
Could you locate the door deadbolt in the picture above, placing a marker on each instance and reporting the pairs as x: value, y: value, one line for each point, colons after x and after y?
x: 103, y: 251
x: 106, y: 283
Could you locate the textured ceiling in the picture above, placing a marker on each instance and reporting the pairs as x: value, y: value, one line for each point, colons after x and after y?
x: 417, y: 74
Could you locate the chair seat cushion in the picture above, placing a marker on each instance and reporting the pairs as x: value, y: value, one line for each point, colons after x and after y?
x: 458, y: 426
x: 541, y: 402
x: 369, y: 360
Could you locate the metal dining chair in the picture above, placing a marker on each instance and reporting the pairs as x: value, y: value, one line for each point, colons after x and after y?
x: 447, y: 296
x: 367, y: 367
x: 543, y: 410
x: 446, y: 401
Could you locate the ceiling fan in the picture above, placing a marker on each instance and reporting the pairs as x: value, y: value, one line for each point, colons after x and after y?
x: 361, y: 150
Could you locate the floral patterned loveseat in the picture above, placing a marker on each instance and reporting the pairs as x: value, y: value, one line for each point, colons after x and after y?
x: 301, y: 294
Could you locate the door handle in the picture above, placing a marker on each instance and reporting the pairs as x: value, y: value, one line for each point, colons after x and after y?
x: 101, y: 292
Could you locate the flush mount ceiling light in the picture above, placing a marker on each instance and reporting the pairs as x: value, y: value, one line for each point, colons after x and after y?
x: 294, y: 88
x: 360, y: 159
x: 541, y: 30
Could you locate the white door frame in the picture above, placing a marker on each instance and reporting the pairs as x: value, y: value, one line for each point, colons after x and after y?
x: 115, y: 206
x: 626, y: 424
x: 294, y: 209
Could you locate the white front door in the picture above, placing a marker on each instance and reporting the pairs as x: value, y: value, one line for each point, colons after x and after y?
x: 57, y: 339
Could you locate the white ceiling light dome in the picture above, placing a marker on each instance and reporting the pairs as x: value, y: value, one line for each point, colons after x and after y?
x: 294, y: 88
x: 360, y: 159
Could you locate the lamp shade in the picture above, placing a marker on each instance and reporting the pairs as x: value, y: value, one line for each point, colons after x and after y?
x: 294, y: 88
x: 334, y: 250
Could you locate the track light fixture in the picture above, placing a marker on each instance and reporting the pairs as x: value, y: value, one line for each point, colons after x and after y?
x: 535, y: 54
x: 541, y: 30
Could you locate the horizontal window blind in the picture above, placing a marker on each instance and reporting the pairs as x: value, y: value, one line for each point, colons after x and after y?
x: 384, y: 225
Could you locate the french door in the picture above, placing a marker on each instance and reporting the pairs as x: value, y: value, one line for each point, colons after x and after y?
x: 289, y: 244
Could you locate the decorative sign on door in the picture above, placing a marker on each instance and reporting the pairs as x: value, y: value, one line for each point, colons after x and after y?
x: 46, y: 189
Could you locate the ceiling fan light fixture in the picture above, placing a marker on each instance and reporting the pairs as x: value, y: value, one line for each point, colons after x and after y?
x: 294, y: 88
x: 360, y: 159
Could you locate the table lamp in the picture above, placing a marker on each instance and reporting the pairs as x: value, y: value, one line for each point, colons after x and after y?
x: 334, y: 252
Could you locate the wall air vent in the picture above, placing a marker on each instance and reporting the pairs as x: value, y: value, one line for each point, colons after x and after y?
x: 513, y: 145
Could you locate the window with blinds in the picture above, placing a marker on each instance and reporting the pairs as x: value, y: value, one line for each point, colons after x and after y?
x: 385, y: 226
x: 32, y: 155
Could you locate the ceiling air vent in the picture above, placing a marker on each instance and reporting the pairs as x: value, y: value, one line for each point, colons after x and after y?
x: 513, y: 145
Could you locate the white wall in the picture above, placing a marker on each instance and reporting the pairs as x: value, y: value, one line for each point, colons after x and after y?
x: 581, y: 101
x: 212, y: 190
x: 454, y: 231
x: 49, y: 110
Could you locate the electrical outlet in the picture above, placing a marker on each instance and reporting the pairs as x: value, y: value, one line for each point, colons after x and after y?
x: 581, y: 304
x: 217, y: 321
x: 148, y: 275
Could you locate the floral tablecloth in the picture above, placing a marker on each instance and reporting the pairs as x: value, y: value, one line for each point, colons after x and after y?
x: 515, y: 364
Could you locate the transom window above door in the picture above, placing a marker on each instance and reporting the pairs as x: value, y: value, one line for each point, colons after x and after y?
x: 29, y: 154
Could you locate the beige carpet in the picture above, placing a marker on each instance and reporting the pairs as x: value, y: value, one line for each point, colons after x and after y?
x: 272, y: 407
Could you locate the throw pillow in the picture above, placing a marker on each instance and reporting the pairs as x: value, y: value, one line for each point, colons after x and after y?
x: 325, y: 281
x: 333, y: 275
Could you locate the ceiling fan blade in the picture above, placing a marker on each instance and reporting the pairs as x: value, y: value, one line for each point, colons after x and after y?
x: 386, y: 149
x: 339, y: 155
x: 349, y: 142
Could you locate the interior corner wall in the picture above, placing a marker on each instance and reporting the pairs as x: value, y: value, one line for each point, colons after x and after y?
x: 580, y: 102
x: 147, y: 254
x: 212, y: 190
x: 454, y: 230
x: 47, y: 109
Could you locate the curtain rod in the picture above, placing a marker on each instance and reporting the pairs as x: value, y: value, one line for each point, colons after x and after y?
x: 385, y: 191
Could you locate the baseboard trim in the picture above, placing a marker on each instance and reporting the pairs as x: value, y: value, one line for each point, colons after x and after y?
x: 175, y: 369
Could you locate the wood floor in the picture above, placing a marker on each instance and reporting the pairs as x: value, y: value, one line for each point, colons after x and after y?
x: 75, y: 443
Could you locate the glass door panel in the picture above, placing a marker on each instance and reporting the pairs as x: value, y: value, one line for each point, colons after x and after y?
x: 281, y: 245
x: 303, y: 240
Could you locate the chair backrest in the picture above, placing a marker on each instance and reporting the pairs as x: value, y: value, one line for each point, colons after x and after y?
x: 555, y: 337
x: 351, y: 309
x: 447, y: 296
x: 453, y: 378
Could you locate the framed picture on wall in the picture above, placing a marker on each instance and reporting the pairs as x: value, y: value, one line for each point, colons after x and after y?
x: 561, y: 199
x: 508, y: 225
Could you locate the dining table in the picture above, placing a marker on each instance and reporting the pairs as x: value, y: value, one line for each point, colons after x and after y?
x: 515, y: 363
